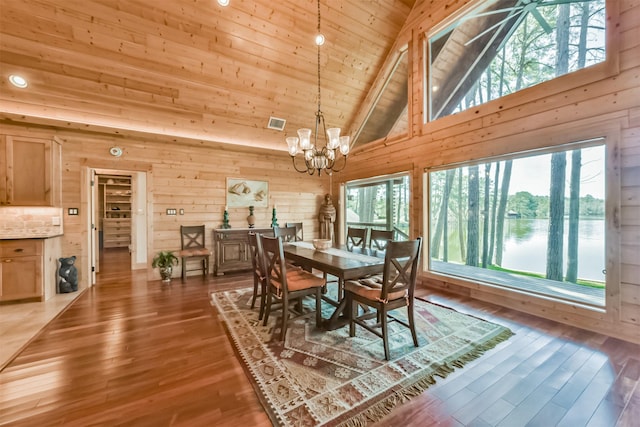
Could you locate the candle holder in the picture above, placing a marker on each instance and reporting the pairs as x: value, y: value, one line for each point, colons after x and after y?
x: 274, y: 220
x: 225, y: 220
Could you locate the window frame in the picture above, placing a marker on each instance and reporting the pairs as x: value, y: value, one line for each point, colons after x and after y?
x: 372, y: 181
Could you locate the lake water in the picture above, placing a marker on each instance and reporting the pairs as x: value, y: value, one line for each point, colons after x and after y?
x: 525, y: 246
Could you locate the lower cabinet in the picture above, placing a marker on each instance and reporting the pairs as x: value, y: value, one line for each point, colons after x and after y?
x: 231, y: 248
x: 21, y: 269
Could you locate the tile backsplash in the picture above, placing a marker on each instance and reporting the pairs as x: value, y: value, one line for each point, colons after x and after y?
x: 26, y: 222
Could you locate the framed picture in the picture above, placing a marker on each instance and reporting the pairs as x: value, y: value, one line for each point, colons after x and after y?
x: 245, y: 192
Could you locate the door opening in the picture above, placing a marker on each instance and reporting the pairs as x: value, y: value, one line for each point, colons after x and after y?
x: 118, y: 221
x: 114, y: 212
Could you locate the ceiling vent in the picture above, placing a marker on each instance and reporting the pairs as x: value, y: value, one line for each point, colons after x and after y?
x: 276, y: 123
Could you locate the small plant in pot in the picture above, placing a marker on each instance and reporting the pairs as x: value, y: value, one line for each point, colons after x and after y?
x: 165, y: 260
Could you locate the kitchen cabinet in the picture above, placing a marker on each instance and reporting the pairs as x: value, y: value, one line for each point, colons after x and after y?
x: 21, y: 269
x: 30, y: 171
x: 231, y: 248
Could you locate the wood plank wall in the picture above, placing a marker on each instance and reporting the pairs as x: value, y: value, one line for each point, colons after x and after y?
x: 599, y: 101
x: 191, y: 177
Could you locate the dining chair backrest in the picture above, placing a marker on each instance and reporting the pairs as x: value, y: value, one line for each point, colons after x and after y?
x: 259, y: 277
x: 379, y: 239
x: 256, y: 255
x: 192, y: 236
x: 274, y: 265
x: 401, y: 267
x: 288, y: 234
x: 193, y: 248
x: 299, y: 230
x: 253, y: 247
x: 356, y: 238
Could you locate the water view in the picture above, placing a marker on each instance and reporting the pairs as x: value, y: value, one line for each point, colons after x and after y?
x: 525, y: 214
x: 525, y: 247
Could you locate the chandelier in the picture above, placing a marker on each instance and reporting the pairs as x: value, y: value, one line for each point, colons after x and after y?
x: 315, y: 158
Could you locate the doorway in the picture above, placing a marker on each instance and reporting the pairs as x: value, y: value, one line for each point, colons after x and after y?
x: 119, y: 221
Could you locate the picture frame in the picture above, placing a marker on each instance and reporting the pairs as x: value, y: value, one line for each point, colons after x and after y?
x: 246, y: 192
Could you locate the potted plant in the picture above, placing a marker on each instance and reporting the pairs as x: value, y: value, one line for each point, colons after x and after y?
x: 165, y: 260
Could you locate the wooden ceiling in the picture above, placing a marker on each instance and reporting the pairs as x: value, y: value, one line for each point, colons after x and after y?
x: 190, y: 68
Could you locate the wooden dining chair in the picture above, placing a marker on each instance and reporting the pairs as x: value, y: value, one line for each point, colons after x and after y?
x: 379, y: 240
x: 288, y: 234
x: 259, y: 276
x: 286, y: 284
x: 194, y: 248
x: 393, y: 289
x: 357, y: 238
x: 299, y: 230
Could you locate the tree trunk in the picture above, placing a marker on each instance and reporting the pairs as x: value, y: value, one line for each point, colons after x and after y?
x: 473, y: 221
x: 562, y: 40
x: 442, y: 215
x: 556, y: 216
x: 555, y: 241
x: 485, y: 215
x: 451, y: 174
x: 366, y: 204
x: 494, y: 206
x: 574, y: 217
x: 584, y: 28
x: 463, y: 254
x: 502, y: 210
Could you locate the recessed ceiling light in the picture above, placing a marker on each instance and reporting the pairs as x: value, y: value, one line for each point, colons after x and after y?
x: 223, y: 3
x: 18, y: 81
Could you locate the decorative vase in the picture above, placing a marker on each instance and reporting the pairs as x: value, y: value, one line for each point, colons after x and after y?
x: 165, y: 273
x: 251, y: 219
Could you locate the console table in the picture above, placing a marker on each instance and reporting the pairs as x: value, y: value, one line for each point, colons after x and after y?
x: 231, y: 247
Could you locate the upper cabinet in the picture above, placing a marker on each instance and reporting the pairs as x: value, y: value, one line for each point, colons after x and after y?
x: 30, y: 171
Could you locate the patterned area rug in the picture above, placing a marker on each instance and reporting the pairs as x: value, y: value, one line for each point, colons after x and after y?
x: 326, y: 378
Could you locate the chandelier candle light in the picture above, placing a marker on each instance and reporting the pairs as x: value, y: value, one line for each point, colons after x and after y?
x: 317, y: 159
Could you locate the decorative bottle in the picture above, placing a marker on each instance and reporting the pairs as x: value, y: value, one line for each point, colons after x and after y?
x: 251, y: 219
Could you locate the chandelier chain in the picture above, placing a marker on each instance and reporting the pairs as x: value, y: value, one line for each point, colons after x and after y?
x: 316, y: 158
x: 319, y: 57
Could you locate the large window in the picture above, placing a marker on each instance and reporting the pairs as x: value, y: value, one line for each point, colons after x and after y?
x: 500, y: 47
x: 531, y: 222
x: 379, y: 203
x: 388, y: 117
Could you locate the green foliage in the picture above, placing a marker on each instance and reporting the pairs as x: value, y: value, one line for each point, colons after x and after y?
x: 164, y: 259
x: 524, y: 204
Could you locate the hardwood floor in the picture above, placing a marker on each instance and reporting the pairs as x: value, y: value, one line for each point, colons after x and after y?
x: 132, y: 352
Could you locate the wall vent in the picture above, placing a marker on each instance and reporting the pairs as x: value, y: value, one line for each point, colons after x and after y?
x: 276, y: 123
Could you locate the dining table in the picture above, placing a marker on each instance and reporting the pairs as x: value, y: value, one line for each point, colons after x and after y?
x: 337, y: 261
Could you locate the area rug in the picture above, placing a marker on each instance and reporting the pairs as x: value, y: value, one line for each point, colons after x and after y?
x: 326, y: 378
